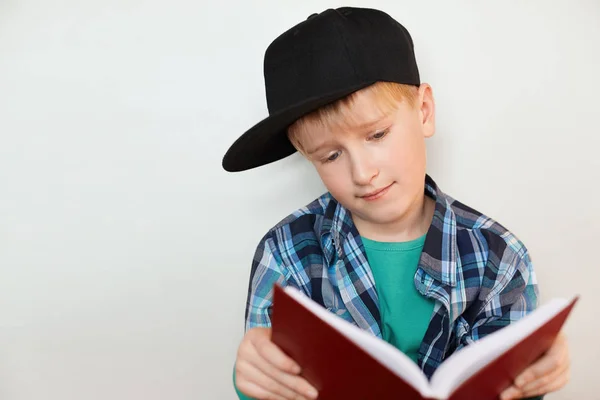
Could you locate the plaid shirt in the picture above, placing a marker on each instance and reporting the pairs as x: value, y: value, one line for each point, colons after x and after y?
x: 479, y: 274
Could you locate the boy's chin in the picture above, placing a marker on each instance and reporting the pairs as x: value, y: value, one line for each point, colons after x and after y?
x: 379, y: 217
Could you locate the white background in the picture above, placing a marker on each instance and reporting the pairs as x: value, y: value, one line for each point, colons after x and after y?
x: 125, y: 248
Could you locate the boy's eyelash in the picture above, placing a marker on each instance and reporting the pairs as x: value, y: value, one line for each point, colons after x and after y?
x: 328, y: 159
x: 376, y: 136
x: 381, y: 134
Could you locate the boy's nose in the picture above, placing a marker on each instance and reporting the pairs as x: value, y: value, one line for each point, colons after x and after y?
x: 363, y: 172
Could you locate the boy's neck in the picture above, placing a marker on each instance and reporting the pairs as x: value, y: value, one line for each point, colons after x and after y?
x: 413, y: 224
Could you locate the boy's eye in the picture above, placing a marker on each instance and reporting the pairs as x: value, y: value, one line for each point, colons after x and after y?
x: 333, y: 156
x: 379, y: 135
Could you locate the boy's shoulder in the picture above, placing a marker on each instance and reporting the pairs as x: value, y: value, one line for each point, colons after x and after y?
x: 482, y: 229
x: 312, y: 217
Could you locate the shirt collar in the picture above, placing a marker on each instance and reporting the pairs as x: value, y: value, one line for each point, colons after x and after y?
x: 439, y: 256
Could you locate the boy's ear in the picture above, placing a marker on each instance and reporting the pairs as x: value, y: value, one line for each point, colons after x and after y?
x: 426, y: 106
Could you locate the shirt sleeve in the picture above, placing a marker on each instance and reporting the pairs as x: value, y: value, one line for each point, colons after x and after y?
x: 267, y: 270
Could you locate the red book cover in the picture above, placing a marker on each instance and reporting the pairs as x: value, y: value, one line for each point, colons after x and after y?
x: 340, y: 369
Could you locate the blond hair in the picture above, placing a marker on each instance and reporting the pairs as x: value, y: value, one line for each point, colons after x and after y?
x: 388, y: 95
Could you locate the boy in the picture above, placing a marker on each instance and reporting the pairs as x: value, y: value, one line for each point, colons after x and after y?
x: 384, y: 248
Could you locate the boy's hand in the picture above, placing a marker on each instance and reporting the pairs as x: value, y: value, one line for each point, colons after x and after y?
x: 265, y: 372
x: 548, y: 374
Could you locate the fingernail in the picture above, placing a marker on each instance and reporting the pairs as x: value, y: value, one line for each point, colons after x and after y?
x: 312, y: 393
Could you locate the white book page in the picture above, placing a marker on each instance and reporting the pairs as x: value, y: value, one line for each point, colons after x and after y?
x: 382, y: 351
x: 466, y: 362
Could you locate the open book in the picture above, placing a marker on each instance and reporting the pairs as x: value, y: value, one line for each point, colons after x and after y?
x: 344, y: 362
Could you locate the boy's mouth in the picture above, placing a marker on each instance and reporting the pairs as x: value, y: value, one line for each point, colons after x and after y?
x: 376, y: 194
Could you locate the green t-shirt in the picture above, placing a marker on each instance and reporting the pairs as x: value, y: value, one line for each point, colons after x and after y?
x: 405, y: 313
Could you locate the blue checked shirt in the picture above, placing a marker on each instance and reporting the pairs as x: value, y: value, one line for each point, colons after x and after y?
x: 479, y: 274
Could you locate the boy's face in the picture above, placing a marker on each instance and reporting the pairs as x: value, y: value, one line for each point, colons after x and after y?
x: 375, y: 165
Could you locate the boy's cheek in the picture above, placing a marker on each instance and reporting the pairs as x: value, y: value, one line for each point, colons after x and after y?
x: 338, y: 185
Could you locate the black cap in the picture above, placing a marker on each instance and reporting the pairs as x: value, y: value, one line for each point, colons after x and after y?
x: 322, y: 59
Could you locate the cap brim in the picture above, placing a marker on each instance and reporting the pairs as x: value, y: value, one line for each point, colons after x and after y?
x: 267, y: 141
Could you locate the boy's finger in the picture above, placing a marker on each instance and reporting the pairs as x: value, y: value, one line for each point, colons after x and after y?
x: 552, y: 360
x: 293, y: 382
x: 254, y: 391
x: 256, y: 383
x: 552, y: 387
x: 274, y: 355
x: 510, y: 393
x: 556, y: 384
x: 548, y: 383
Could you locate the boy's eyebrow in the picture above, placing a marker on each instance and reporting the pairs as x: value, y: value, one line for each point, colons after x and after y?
x: 370, y: 124
x: 319, y: 147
